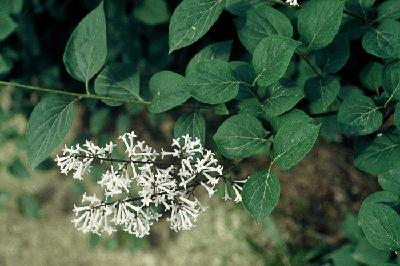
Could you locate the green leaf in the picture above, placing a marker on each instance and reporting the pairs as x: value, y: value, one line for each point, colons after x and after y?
x: 321, y: 92
x: 5, y: 67
x: 48, y: 124
x: 221, y: 109
x: 332, y: 58
x: 350, y: 228
x: 251, y: 106
x: 343, y: 256
x: 292, y: 142
x: 397, y: 116
x: 390, y: 181
x: 381, y: 226
x: 383, y: 41
x: 391, y: 79
x: 29, y: 207
x: 18, y: 170
x: 243, y: 70
x: 167, y: 89
x: 371, y: 76
x: 218, y: 50
x: 11, y: 6
x: 282, y: 96
x: 291, y: 117
x: 389, y: 9
x: 261, y: 22
x: 238, y: 7
x: 118, y: 81
x: 212, y: 81
x: 358, y: 115
x: 7, y: 25
x: 86, y: 48
x: 152, y: 12
x: 240, y: 136
x: 319, y: 21
x: 377, y: 197
x: 381, y: 155
x: 261, y: 194
x: 359, y: 7
x: 192, y: 124
x: 367, y: 254
x: 271, y: 58
x: 191, y: 20
x: 99, y: 120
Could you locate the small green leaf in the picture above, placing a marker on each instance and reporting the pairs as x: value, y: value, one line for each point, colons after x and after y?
x: 292, y: 142
x: 219, y: 50
x: 5, y: 67
x: 381, y: 226
x: 381, y: 155
x: 221, y: 109
x: 282, y: 96
x: 271, y: 58
x: 358, y: 115
x: 238, y: 7
x: 240, y: 136
x: 29, y: 207
x: 261, y: 194
x: 291, y: 117
x: 343, y: 256
x: 371, y: 76
x: 389, y: 9
x: 212, y: 81
x: 332, y: 58
x: 99, y: 121
x: 118, y: 81
x: 86, y: 48
x: 391, y: 79
x: 191, y: 20
x: 251, y: 106
x: 383, y: 41
x: 390, y: 181
x: 167, y: 89
x: 261, y: 22
x: 321, y: 92
x: 192, y: 124
x: 7, y: 25
x: 359, y: 7
x: 18, y: 170
x: 11, y: 6
x: 48, y: 124
x: 152, y: 12
x: 319, y: 21
x: 367, y: 254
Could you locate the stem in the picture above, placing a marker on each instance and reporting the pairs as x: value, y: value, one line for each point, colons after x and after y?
x: 310, y: 65
x: 323, y: 114
x: 353, y: 15
x: 87, y: 87
x: 5, y: 84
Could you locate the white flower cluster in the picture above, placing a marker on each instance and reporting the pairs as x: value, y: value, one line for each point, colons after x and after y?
x: 292, y: 2
x: 164, y: 183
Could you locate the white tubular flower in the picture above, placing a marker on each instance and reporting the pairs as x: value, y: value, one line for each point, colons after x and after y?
x: 93, y: 218
x: 156, y: 188
x: 237, y: 187
x: 79, y: 159
x: 183, y: 214
x: 184, y: 147
x: 115, y: 182
x: 226, y: 193
x: 137, y: 150
x: 292, y: 2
